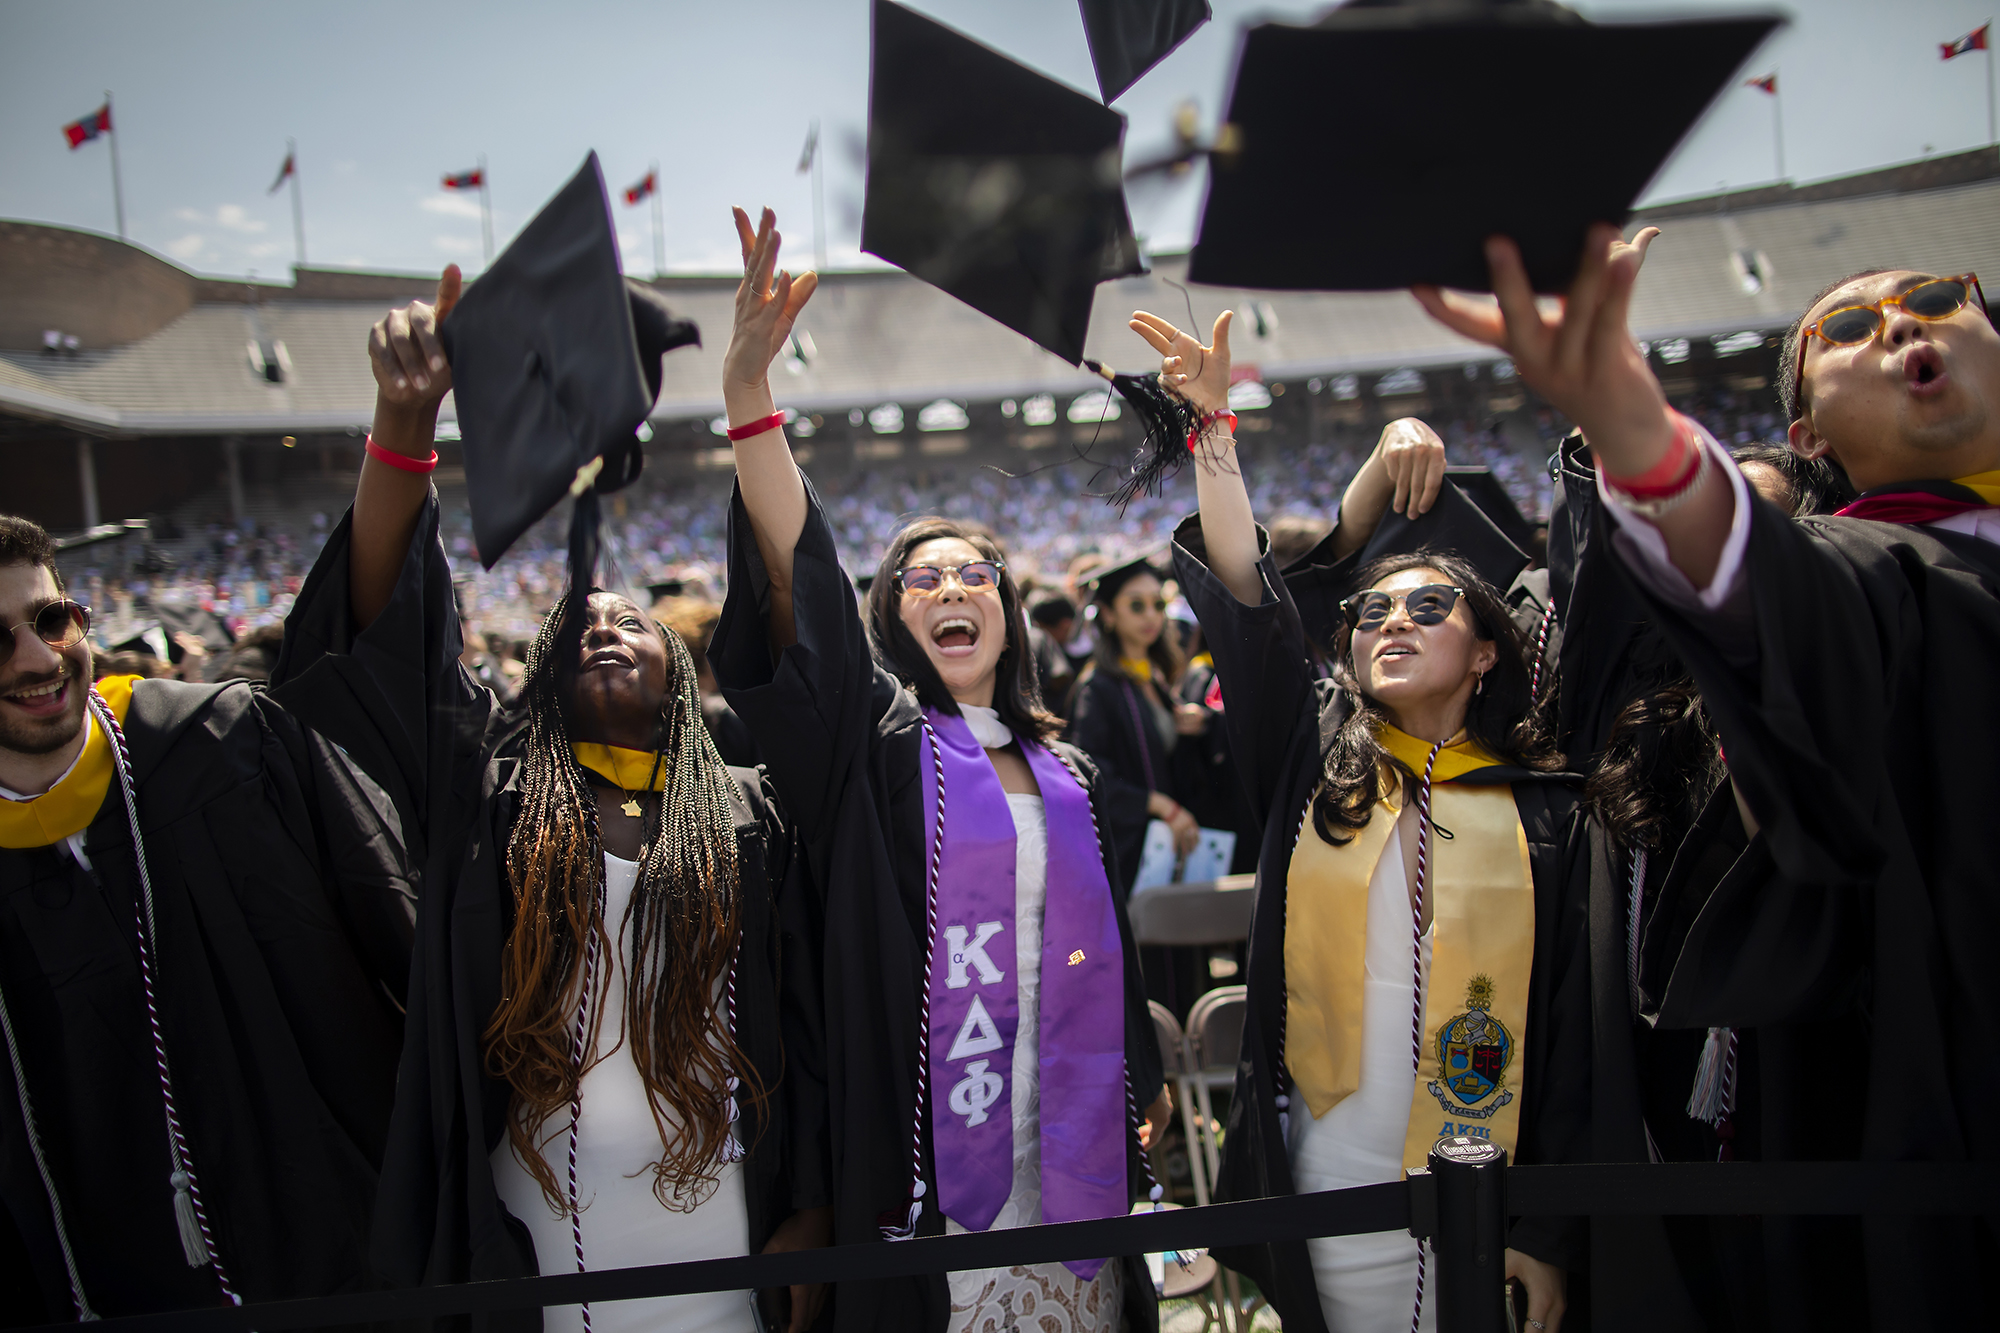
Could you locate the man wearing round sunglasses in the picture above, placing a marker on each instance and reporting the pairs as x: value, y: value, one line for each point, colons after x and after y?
x: 202, y: 950
x: 1847, y: 661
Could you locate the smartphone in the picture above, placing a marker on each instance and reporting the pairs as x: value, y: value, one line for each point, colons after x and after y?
x: 773, y: 1308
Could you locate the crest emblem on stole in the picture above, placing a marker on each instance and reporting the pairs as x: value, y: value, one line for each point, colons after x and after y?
x: 1473, y: 1049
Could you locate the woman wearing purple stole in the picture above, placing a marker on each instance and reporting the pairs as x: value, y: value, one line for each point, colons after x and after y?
x: 988, y: 1041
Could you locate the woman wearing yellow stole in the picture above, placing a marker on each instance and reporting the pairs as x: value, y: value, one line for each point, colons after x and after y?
x: 1418, y: 955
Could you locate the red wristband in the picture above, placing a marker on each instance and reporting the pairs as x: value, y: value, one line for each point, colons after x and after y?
x: 757, y: 427
x: 402, y: 461
x: 1224, y: 415
x: 1672, y: 473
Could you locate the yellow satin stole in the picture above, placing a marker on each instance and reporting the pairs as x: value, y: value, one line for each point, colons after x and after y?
x: 70, y: 805
x: 1473, y: 1064
x: 632, y: 770
x: 1986, y: 484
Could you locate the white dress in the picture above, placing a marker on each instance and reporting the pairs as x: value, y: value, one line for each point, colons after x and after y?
x: 624, y: 1224
x: 1368, y: 1283
x: 1046, y: 1298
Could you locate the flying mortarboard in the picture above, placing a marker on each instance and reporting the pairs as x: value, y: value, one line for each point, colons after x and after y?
x: 555, y: 360
x: 1129, y: 37
x: 992, y: 182
x: 1454, y: 525
x: 1382, y: 146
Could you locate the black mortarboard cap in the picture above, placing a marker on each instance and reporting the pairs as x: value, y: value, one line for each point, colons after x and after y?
x: 1103, y: 584
x: 1401, y: 136
x: 992, y: 182
x: 1129, y: 37
x: 555, y: 360
x: 1455, y: 525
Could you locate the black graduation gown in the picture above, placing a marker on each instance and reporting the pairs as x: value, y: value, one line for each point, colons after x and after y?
x: 1219, y: 800
x: 396, y: 697
x: 1279, y: 719
x: 1106, y: 716
x: 283, y: 914
x: 843, y: 740
x: 1851, y: 702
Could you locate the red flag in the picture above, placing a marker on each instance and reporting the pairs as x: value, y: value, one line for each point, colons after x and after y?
x: 1972, y: 41
x: 643, y: 188
x: 465, y: 180
x: 1769, y: 83
x: 284, y: 174
x: 81, y: 132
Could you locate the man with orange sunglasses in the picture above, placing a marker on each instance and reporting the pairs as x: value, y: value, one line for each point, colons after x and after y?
x: 1848, y: 662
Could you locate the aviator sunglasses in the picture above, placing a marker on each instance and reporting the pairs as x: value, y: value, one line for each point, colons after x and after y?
x: 61, y: 624
x: 1939, y: 298
x: 1429, y: 604
x: 928, y: 579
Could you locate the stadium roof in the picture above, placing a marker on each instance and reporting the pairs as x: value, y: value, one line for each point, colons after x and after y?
x: 162, y: 351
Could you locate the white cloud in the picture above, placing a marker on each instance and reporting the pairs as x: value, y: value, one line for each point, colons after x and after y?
x: 456, y: 245
x: 188, y: 248
x: 233, y: 217
x: 451, y: 205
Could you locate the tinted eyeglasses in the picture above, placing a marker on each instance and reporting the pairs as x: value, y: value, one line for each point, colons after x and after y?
x: 61, y: 624
x: 929, y: 579
x: 1429, y: 604
x: 1939, y: 298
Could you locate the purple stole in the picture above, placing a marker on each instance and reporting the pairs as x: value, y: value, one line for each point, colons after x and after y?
x: 975, y: 1006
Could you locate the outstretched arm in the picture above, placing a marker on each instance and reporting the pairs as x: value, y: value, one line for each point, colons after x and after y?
x: 1201, y: 375
x: 1404, y: 474
x: 411, y: 379
x: 774, y: 494
x: 1585, y: 363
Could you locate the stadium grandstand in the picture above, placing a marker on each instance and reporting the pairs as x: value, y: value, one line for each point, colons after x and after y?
x: 197, y: 435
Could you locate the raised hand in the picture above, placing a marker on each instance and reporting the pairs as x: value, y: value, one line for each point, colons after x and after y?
x: 1583, y: 361
x: 1199, y: 374
x: 404, y: 351
x: 1413, y: 457
x: 768, y: 302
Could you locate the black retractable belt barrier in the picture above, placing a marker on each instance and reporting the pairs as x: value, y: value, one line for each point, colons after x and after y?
x: 1455, y: 1212
x: 1471, y: 1236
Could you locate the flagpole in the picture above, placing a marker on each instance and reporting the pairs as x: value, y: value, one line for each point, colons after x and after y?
x: 659, y: 230
x: 819, y: 205
x: 1778, y: 131
x: 298, y: 209
x: 1992, y: 136
x: 118, y: 186
x: 485, y: 211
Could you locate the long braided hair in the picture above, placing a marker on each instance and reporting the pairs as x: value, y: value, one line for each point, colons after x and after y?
x: 683, y: 925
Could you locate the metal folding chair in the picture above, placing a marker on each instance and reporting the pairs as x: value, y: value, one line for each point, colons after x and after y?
x: 1214, y: 1045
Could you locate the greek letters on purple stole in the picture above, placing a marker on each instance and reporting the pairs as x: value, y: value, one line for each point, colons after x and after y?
x: 975, y: 1001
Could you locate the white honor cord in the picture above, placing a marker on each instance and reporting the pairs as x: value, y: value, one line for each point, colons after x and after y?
x: 84, y: 1313
x: 197, y: 1239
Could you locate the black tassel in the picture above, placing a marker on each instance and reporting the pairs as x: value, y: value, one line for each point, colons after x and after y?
x: 583, y: 520
x: 1168, y: 421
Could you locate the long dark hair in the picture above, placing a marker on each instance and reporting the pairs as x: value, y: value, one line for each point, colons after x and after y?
x: 1660, y: 764
x: 684, y: 921
x: 1016, y: 696
x: 1501, y: 717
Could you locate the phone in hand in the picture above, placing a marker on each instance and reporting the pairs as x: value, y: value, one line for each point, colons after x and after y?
x: 773, y: 1308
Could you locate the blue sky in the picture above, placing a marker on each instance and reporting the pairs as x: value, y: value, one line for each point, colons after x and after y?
x: 385, y: 98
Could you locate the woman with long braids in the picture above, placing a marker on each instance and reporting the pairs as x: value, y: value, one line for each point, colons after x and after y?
x: 613, y: 1055
x: 988, y: 1041
x: 1418, y: 960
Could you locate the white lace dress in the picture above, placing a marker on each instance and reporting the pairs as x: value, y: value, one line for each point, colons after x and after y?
x: 1046, y: 1298
x: 624, y: 1224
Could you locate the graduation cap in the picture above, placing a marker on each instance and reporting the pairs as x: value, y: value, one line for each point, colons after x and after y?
x: 1103, y: 584
x: 1129, y: 37
x: 992, y: 182
x: 1517, y: 119
x: 555, y: 361
x: 1454, y: 525
x: 1484, y: 489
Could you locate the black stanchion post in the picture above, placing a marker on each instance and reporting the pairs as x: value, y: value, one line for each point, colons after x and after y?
x: 1471, y: 1236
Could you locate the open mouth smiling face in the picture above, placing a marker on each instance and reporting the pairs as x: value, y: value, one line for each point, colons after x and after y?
x: 621, y: 674
x: 42, y: 689
x: 962, y: 630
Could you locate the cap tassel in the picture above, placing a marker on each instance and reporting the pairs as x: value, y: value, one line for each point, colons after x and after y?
x: 1709, y: 1102
x: 1168, y: 421
x: 193, y: 1244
